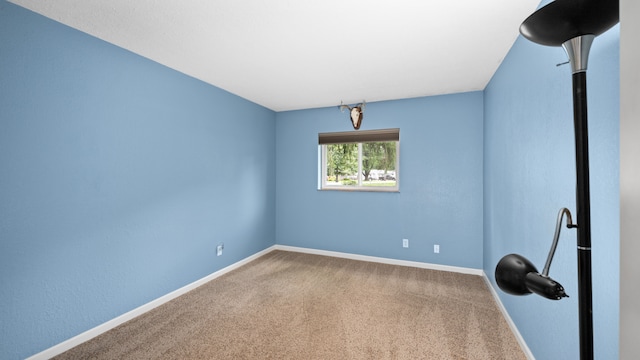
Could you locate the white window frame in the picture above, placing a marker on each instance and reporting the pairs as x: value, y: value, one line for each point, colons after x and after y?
x: 352, y: 137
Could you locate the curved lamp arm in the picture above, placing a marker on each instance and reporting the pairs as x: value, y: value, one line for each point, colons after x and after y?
x: 556, y: 236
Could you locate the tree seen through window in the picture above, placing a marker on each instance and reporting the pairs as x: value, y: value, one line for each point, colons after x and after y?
x: 375, y: 162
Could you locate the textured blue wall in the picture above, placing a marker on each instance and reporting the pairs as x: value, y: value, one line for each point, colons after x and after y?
x: 118, y: 177
x: 440, y: 198
x: 530, y: 174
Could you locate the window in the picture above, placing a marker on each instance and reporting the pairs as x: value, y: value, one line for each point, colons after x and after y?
x: 360, y: 160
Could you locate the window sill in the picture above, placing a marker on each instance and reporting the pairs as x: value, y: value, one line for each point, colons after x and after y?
x: 361, y: 189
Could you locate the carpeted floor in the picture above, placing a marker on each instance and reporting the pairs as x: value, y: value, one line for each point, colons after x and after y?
x: 288, y: 305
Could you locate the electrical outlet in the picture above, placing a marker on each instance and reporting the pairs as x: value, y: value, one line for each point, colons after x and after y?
x: 219, y: 249
x: 436, y: 248
x: 405, y: 243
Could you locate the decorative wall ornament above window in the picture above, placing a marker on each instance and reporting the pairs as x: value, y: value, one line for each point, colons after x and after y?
x: 355, y: 112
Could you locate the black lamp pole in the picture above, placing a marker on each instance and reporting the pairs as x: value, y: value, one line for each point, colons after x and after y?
x: 578, y: 52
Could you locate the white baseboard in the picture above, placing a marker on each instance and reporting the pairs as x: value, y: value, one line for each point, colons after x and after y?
x: 382, y: 260
x: 102, y: 328
x: 505, y: 314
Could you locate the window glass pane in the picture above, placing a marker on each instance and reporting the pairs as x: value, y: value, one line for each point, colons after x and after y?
x: 379, y: 163
x: 342, y: 164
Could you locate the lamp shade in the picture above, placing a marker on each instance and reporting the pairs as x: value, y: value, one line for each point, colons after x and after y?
x: 562, y: 20
x: 511, y: 274
x: 516, y: 275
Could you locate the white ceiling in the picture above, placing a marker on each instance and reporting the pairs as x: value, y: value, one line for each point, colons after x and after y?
x: 296, y: 54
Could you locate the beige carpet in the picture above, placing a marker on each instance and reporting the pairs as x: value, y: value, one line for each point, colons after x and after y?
x: 288, y: 305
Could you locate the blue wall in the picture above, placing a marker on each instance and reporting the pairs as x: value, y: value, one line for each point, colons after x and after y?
x: 530, y: 174
x: 118, y: 177
x: 440, y: 198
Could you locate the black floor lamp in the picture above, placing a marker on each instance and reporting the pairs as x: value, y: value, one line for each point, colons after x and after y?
x: 572, y: 24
